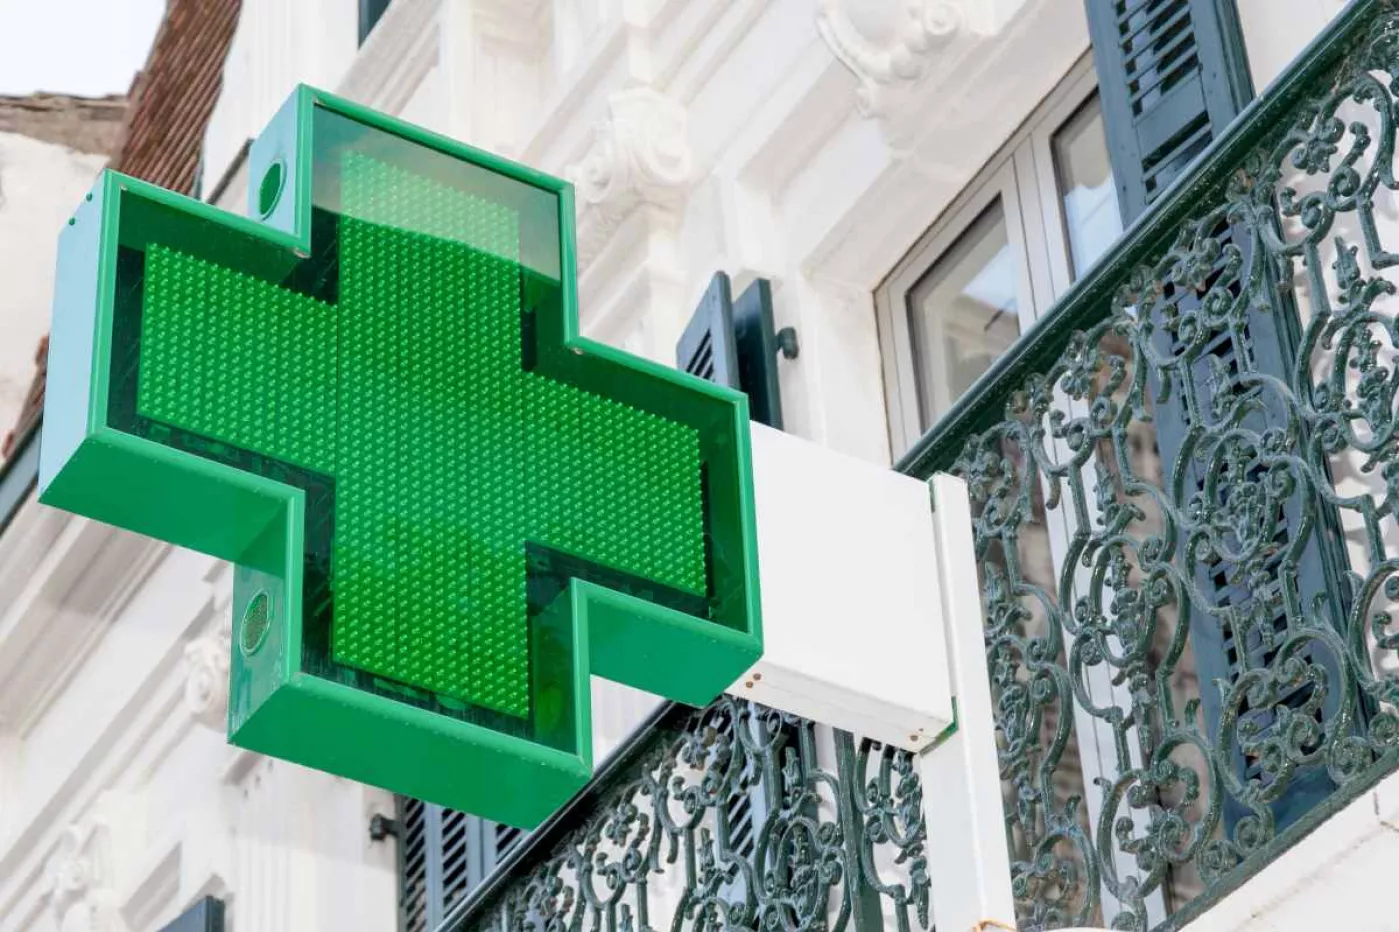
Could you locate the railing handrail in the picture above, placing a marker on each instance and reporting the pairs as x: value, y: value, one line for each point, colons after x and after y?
x: 1088, y: 300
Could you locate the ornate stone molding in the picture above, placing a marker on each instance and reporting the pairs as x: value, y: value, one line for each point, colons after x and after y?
x: 640, y: 156
x: 887, y: 44
x: 77, y: 878
x: 206, y: 661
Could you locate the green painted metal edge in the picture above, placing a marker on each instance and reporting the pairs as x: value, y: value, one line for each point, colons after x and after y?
x: 524, y: 779
x: 426, y: 137
x: 1256, y: 861
x: 226, y: 509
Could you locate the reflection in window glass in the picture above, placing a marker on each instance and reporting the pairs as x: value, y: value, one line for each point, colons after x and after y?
x: 1092, y: 221
x: 963, y: 314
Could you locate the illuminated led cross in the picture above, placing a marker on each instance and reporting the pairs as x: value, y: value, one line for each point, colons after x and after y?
x: 446, y: 508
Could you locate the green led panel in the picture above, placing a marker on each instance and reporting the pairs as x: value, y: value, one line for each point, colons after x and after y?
x: 446, y: 507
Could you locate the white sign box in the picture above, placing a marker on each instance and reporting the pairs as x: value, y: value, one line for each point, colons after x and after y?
x: 852, y: 604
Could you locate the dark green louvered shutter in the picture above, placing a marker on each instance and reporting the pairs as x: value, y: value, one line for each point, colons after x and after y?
x: 487, y: 845
x: 444, y: 854
x: 204, y: 916
x: 755, y: 797
x: 706, y: 348
x: 755, y: 342
x: 369, y: 13
x: 1172, y: 74
x: 412, y: 865
x: 733, y: 343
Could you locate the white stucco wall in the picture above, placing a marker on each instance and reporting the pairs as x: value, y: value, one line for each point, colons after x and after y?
x: 40, y: 184
x: 1275, y: 31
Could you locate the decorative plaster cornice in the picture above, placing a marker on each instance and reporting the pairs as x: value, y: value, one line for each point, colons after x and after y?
x: 206, y: 678
x: 70, y: 870
x: 887, y: 44
x: 77, y: 879
x: 640, y: 156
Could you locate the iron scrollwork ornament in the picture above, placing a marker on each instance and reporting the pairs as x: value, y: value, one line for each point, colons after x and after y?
x: 1137, y: 788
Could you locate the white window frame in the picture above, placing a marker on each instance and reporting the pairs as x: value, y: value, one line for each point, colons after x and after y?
x: 1022, y: 177
x: 1077, y: 89
x: 891, y: 301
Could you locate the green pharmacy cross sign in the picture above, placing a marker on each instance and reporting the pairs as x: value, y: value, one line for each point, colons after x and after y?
x: 445, y: 507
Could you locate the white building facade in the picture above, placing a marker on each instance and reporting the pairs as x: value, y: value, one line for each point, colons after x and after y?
x: 862, y: 156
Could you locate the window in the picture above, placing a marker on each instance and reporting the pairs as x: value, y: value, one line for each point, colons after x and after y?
x: 1035, y: 219
x: 963, y: 313
x: 1084, y: 184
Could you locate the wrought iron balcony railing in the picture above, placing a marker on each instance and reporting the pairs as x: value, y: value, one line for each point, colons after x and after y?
x: 1185, y: 481
x: 730, y: 817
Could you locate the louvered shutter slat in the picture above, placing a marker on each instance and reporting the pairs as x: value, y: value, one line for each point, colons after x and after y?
x: 706, y: 348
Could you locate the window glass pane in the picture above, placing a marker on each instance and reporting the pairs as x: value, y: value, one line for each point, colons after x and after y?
x: 1092, y: 221
x: 963, y: 313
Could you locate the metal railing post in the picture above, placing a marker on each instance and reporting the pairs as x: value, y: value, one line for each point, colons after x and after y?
x: 968, y: 861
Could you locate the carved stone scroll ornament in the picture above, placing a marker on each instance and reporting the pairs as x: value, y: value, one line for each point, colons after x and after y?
x: 206, y: 674
x: 640, y: 156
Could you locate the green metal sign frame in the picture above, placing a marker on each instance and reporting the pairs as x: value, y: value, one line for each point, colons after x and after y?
x: 446, y: 507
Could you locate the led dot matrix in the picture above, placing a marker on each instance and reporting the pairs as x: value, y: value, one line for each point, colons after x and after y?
x: 447, y: 455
